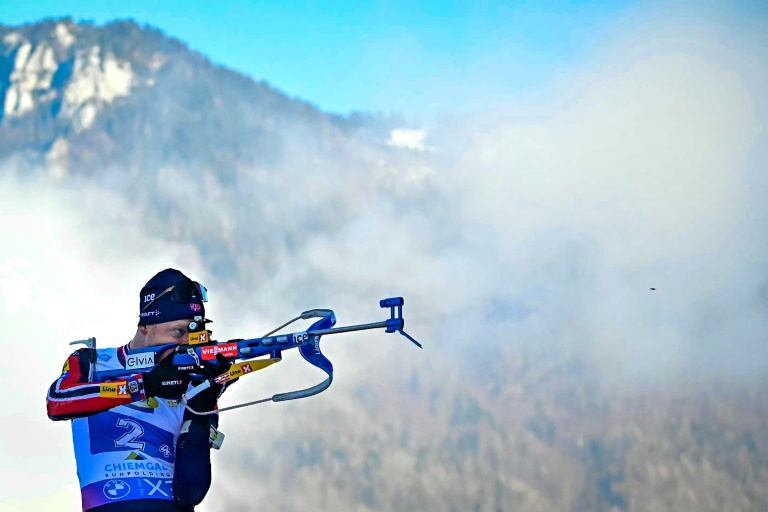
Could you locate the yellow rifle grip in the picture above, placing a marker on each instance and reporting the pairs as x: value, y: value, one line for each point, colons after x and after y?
x: 240, y: 369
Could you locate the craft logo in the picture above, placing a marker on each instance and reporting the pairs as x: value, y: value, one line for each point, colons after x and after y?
x: 229, y: 350
x: 140, y: 360
x: 116, y: 489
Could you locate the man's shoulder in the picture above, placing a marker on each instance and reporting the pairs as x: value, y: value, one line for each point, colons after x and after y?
x: 103, y: 354
x: 110, y: 358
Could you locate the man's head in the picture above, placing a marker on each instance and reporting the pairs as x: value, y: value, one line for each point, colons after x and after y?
x: 167, y: 303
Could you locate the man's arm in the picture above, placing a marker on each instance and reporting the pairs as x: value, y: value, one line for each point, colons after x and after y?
x: 72, y: 396
x: 192, y: 472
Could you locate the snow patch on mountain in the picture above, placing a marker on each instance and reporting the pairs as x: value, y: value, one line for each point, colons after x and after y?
x: 32, y: 72
x: 12, y: 39
x: 408, y: 139
x: 63, y: 35
x: 97, y: 78
x: 95, y: 81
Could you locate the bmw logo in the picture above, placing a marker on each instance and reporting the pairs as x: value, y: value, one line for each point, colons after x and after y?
x: 116, y: 489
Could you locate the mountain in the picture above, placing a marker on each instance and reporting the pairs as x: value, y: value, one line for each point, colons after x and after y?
x: 144, y: 135
x: 83, y: 97
x: 128, y: 107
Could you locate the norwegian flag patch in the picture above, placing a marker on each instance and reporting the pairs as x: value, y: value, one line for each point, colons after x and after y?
x: 194, y: 307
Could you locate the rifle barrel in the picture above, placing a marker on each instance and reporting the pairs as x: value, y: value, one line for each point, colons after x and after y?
x: 347, y: 328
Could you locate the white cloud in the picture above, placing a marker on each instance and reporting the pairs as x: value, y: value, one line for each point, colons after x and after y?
x: 639, y: 171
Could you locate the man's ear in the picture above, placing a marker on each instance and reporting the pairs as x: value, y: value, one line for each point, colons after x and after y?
x: 143, y: 330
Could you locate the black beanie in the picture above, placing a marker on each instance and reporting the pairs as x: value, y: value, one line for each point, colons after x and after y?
x: 169, y: 296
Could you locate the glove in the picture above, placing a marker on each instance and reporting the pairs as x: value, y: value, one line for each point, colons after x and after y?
x: 206, y: 400
x: 165, y: 380
x: 211, y: 369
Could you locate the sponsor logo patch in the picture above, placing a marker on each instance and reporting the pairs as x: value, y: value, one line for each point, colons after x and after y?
x: 196, y: 338
x: 140, y: 360
x: 116, y: 489
x: 113, y: 389
x: 226, y: 349
x: 236, y: 371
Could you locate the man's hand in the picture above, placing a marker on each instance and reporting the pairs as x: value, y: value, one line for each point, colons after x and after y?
x: 206, y: 400
x: 212, y: 369
x: 165, y: 380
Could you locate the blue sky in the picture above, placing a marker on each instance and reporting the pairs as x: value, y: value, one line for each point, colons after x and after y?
x: 423, y: 58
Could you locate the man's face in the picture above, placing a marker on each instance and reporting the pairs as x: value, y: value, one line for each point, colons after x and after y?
x: 168, y: 332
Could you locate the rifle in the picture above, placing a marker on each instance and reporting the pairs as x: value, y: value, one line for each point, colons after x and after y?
x: 201, y: 349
